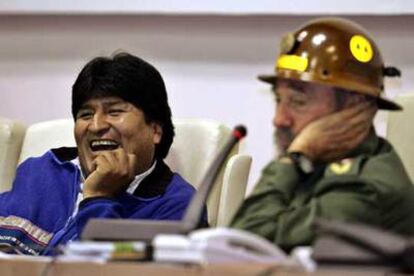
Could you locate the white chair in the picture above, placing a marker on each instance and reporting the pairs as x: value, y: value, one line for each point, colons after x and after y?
x: 11, y: 138
x: 196, y: 143
x: 41, y: 137
x: 401, y: 133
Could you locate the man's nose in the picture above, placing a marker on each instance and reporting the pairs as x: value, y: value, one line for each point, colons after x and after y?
x: 282, y: 117
x: 99, y: 123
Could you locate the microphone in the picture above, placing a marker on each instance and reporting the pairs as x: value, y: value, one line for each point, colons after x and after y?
x: 194, y: 211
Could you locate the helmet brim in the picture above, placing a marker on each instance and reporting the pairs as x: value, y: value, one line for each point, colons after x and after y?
x: 386, y: 104
x: 383, y: 103
x: 270, y: 79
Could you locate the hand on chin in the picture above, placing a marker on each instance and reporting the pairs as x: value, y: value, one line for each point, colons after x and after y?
x: 111, y: 172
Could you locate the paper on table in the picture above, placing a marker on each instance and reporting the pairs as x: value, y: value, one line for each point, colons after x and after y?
x: 101, y: 251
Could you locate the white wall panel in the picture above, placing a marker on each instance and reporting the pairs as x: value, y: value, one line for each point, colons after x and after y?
x: 209, y: 63
x: 297, y: 7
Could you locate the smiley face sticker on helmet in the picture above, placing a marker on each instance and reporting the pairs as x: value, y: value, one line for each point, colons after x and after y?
x: 361, y: 48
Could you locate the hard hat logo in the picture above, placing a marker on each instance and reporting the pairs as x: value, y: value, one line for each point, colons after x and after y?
x: 361, y: 48
x: 292, y: 62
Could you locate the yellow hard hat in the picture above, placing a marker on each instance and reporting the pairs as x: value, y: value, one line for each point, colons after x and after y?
x: 336, y: 52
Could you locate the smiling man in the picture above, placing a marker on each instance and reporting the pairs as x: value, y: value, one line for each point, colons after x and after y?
x: 331, y: 164
x: 123, y: 131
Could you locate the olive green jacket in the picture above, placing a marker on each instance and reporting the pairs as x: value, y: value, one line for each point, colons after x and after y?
x: 371, y: 186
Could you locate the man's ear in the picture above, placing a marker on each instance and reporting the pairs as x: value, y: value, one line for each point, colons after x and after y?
x: 157, y: 132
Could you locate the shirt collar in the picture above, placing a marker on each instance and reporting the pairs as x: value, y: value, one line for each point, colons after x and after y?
x: 138, y: 178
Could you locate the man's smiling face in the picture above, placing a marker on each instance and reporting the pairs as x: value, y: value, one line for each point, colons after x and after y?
x: 108, y: 123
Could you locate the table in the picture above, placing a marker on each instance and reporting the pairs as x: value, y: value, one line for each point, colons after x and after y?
x: 35, y: 267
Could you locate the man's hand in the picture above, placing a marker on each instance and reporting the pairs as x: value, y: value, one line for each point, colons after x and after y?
x: 114, y: 171
x: 333, y: 136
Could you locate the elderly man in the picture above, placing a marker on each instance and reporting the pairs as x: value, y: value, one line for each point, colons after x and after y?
x: 123, y: 131
x: 328, y: 85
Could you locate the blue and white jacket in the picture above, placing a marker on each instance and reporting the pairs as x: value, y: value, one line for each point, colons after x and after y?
x: 37, y: 212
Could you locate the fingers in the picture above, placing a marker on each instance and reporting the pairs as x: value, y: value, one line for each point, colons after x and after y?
x: 114, y: 171
x: 364, y: 115
x: 350, y: 132
x: 114, y: 162
x: 121, y: 161
x: 343, y: 116
x: 359, y: 121
x: 343, y: 144
x: 345, y: 121
x: 358, y: 108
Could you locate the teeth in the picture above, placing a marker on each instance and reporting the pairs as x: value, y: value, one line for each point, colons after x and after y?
x: 100, y: 145
x: 97, y: 143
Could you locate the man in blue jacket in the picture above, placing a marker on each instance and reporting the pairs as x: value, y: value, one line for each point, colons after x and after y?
x: 123, y: 131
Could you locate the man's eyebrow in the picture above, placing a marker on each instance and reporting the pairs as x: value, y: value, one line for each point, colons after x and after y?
x: 107, y: 103
x: 297, y: 87
x: 294, y: 85
x: 85, y: 106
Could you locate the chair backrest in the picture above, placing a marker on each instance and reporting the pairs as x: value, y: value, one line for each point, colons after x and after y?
x: 41, y: 137
x: 233, y: 190
x: 11, y: 139
x: 196, y: 143
x: 401, y: 133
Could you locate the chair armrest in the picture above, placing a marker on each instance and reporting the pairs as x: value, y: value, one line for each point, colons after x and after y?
x: 11, y: 138
x: 235, y: 178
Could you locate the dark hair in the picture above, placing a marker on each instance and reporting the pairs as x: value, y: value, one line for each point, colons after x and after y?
x: 133, y: 80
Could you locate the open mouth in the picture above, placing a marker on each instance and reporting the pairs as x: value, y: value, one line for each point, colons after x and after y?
x: 104, y: 144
